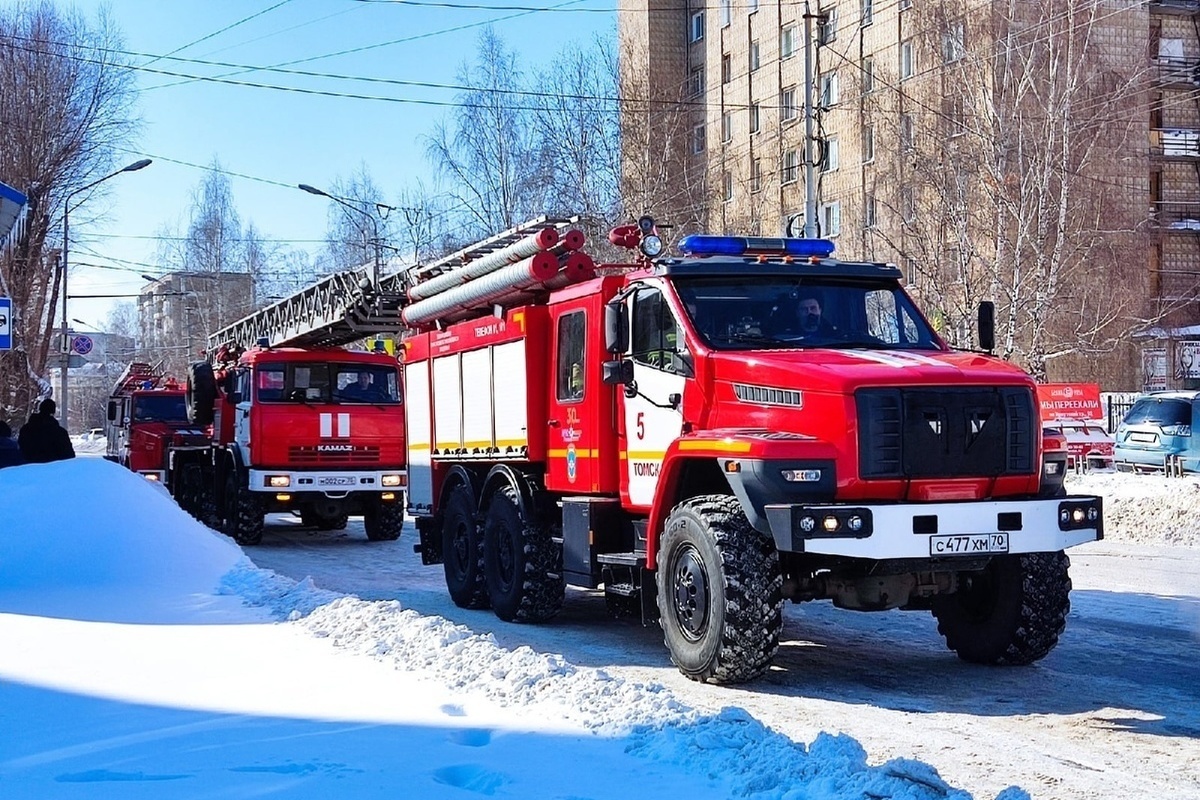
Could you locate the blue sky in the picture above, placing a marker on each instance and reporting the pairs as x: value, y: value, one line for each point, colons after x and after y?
x: 278, y: 139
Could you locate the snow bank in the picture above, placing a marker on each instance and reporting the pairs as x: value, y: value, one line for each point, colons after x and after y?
x: 90, y: 540
x: 1145, y: 509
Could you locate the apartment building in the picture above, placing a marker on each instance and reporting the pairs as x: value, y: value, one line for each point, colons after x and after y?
x: 978, y: 145
x: 177, y: 312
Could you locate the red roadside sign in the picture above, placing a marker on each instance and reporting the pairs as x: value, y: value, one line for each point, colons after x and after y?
x: 1070, y: 401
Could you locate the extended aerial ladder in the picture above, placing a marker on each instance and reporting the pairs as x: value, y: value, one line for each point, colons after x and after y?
x: 344, y: 307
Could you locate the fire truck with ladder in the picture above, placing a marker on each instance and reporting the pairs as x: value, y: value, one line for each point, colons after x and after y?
x: 146, y: 419
x: 708, y: 436
x: 293, y: 421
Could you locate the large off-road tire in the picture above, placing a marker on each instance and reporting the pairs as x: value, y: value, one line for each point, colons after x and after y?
x: 191, y: 491
x: 383, y: 521
x: 200, y: 393
x: 243, y: 513
x: 720, y: 591
x: 519, y: 563
x: 462, y: 550
x: 1012, y: 612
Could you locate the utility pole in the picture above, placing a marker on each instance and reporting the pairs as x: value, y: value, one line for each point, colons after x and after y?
x: 810, y: 172
x: 378, y: 263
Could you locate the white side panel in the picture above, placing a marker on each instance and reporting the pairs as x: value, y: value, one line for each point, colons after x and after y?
x: 419, y: 434
x: 479, y: 438
x: 447, y: 404
x: 508, y: 389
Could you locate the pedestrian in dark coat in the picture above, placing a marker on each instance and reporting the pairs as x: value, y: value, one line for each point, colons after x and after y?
x: 42, y: 439
x: 10, y: 452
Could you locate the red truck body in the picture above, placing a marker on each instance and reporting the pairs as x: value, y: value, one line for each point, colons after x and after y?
x: 655, y: 431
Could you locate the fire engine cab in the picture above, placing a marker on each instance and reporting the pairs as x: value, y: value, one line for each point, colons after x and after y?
x: 707, y: 436
x: 147, y: 417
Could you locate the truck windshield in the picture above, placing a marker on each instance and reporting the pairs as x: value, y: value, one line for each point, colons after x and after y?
x: 322, y: 382
x: 159, y: 408
x: 782, y: 312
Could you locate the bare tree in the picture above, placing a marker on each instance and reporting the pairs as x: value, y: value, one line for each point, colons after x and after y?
x: 1013, y: 177
x: 487, y: 152
x: 354, y: 237
x: 65, y: 106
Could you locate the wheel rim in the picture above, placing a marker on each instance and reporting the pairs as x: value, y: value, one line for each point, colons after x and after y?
x: 689, y: 587
x: 460, y: 548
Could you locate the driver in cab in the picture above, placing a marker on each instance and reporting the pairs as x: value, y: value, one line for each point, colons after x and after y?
x: 809, y: 318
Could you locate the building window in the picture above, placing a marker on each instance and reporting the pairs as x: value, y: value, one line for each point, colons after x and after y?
x: 954, y: 42
x: 756, y: 175
x: 956, y: 118
x: 908, y: 63
x: 698, y: 139
x: 726, y: 13
x: 726, y: 68
x: 907, y: 139
x: 696, y: 81
x: 787, y: 104
x: 787, y: 42
x: 868, y: 75
x: 727, y: 186
x: 827, y: 26
x: 829, y: 90
x: 752, y: 5
x: 754, y: 59
x: 870, y: 220
x: 791, y: 167
x: 868, y: 12
x: 905, y: 5
x: 727, y: 127
x: 831, y: 219
x: 830, y: 154
x: 754, y: 118
x: 868, y: 144
x: 697, y: 28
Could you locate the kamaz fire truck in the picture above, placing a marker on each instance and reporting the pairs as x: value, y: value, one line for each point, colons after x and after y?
x: 284, y: 418
x: 671, y: 430
x: 146, y: 419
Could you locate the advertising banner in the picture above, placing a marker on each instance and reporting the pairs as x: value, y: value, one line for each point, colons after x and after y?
x: 1070, y: 401
x: 1154, y: 369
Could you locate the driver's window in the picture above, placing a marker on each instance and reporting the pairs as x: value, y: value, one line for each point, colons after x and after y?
x: 657, y: 339
x: 270, y: 384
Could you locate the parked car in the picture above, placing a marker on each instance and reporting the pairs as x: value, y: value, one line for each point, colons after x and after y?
x: 93, y: 435
x: 1087, y: 442
x: 1158, y: 426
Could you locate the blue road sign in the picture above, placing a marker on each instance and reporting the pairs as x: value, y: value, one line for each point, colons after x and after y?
x: 5, y: 323
x: 81, y: 344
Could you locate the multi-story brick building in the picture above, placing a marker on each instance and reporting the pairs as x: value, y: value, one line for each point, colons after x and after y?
x: 177, y: 312
x: 993, y: 150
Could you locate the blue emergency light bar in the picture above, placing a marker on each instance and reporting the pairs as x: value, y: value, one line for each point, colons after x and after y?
x: 699, y: 244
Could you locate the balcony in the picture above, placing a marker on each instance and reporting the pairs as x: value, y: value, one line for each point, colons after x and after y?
x: 1174, y: 6
x: 1176, y: 216
x: 1178, y: 72
x: 1174, y: 144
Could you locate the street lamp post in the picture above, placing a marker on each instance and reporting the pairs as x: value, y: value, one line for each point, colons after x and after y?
x: 374, y: 225
x: 65, y: 357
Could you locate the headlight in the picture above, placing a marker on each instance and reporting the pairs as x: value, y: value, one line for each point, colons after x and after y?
x: 279, y: 481
x: 392, y: 480
x: 801, y: 475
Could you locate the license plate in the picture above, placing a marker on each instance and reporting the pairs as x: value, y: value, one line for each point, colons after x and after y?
x: 968, y: 544
x: 336, y: 480
x: 1144, y: 438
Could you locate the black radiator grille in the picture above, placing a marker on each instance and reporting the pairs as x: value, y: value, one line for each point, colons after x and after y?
x: 336, y: 454
x: 945, y: 432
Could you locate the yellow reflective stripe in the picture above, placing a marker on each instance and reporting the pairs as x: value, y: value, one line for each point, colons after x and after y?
x: 646, y: 455
x: 718, y: 445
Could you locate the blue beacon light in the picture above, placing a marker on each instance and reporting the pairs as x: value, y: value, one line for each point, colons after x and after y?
x: 708, y: 245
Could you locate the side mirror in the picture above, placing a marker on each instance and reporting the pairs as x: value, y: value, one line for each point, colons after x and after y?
x: 112, y: 410
x: 616, y: 327
x: 987, y: 326
x: 617, y: 373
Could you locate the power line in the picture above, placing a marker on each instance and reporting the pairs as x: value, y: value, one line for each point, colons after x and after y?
x: 229, y: 27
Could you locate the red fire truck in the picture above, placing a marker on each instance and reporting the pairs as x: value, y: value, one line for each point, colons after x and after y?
x: 682, y: 433
x: 317, y: 431
x: 147, y: 417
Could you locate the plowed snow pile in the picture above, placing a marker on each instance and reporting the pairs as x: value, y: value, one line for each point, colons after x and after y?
x: 1146, y: 509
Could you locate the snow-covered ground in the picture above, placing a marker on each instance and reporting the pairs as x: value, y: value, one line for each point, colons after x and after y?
x: 142, y: 655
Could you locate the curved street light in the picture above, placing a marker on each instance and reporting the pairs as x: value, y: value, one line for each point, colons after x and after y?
x: 374, y: 225
x: 65, y: 357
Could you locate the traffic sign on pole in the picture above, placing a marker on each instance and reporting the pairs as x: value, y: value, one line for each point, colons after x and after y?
x: 81, y: 344
x: 5, y: 323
